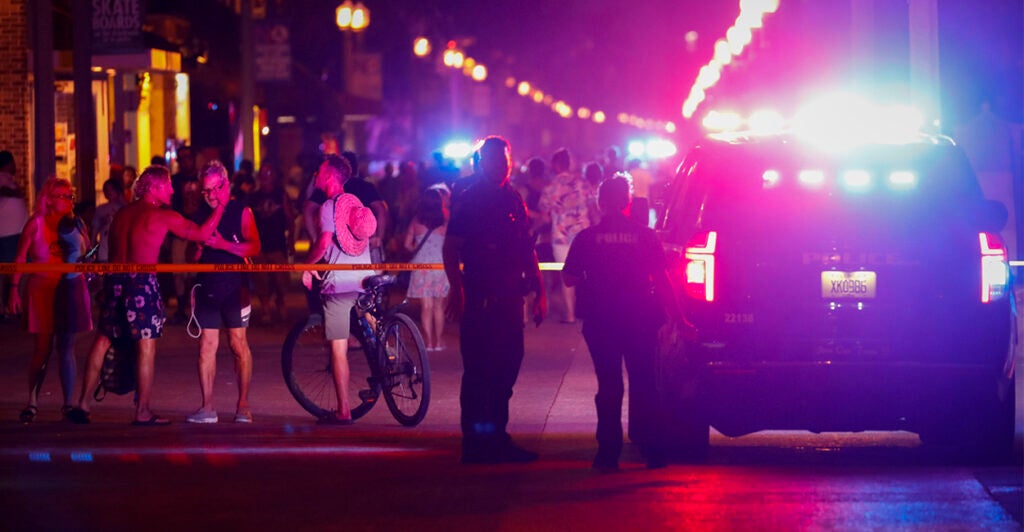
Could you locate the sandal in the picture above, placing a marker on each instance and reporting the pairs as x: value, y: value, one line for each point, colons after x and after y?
x: 153, y: 421
x: 28, y: 415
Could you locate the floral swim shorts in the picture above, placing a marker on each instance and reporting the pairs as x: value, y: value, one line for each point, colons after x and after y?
x: 132, y: 306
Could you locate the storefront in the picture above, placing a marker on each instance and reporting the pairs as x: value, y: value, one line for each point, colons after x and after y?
x: 141, y: 103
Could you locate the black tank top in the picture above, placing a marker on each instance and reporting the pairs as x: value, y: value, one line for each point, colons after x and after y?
x: 230, y: 228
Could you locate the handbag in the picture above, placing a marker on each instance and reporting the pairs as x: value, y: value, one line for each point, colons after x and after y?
x: 404, y: 277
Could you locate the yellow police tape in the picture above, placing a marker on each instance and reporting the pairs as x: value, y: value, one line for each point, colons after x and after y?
x: 44, y: 267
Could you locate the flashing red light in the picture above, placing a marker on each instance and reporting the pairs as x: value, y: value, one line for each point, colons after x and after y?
x: 700, y: 266
x: 995, y: 271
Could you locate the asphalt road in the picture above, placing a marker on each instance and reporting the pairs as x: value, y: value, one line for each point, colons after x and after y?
x: 284, y: 471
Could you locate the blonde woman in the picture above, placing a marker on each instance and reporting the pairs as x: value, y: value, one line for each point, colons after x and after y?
x: 56, y: 305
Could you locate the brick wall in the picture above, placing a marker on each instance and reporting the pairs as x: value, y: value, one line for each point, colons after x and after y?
x: 15, y: 85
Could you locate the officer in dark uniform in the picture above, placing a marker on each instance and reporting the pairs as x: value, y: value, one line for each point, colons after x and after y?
x: 489, y: 234
x: 624, y: 297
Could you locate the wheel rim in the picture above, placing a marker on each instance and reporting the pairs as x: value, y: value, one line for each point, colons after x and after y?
x: 306, y: 362
x: 406, y: 378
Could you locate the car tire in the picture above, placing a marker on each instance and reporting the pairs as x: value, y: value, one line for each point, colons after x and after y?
x: 982, y: 435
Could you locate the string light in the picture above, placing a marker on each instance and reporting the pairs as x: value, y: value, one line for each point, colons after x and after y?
x: 737, y: 38
x: 454, y: 57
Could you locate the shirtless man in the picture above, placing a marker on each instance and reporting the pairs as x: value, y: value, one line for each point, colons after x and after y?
x: 132, y: 305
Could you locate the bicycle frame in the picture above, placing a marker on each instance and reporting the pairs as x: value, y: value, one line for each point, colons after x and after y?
x: 372, y: 313
x: 393, y: 370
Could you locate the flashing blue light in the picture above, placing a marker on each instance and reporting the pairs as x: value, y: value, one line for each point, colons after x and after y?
x: 457, y: 150
x: 812, y: 178
x: 857, y: 179
x: 902, y: 179
x: 39, y: 456
x: 636, y: 148
x: 660, y: 148
x: 81, y: 457
x: 838, y: 121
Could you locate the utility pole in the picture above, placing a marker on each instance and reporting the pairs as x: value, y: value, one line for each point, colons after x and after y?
x: 85, y: 117
x: 246, y: 117
x: 41, y: 21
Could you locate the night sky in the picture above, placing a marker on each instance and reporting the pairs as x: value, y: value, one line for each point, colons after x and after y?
x: 632, y: 56
x: 597, y: 53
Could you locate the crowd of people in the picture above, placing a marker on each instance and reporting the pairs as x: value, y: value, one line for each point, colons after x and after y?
x: 490, y: 229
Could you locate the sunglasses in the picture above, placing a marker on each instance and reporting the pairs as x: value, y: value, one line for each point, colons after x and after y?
x: 208, y: 191
x: 69, y: 197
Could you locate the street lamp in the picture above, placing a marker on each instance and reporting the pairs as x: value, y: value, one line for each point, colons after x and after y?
x: 352, y: 17
x: 421, y: 47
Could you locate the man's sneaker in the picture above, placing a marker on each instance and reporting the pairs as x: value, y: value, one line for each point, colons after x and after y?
x: 200, y: 416
x: 243, y: 416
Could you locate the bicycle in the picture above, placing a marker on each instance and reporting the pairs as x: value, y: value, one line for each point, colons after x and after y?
x: 395, y: 363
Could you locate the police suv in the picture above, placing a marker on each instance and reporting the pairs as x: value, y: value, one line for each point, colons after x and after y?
x: 862, y: 288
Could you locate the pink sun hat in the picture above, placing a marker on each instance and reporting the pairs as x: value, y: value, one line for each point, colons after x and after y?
x: 354, y: 224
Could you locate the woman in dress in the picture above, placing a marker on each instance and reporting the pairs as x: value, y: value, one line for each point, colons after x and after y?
x: 56, y: 305
x: 425, y: 237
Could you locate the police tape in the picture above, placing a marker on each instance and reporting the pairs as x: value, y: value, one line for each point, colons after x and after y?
x: 103, y: 268
x: 44, y: 267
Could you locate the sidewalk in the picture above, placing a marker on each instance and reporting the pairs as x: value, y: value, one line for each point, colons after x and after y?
x: 553, y: 397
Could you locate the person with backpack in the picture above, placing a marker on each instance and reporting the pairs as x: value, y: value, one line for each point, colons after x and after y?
x: 345, y: 229
x: 132, y: 307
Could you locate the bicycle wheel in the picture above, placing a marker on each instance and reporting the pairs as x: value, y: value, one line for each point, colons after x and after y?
x: 308, y: 373
x: 407, y: 373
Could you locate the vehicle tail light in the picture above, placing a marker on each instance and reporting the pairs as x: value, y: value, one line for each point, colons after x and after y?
x: 995, y: 270
x: 700, y: 266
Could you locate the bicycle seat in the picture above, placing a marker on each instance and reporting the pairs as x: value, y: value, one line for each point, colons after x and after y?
x: 374, y: 282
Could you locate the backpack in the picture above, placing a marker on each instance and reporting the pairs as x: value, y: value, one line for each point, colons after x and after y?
x: 117, y: 375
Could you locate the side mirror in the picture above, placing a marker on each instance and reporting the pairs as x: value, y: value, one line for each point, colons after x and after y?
x: 993, y: 216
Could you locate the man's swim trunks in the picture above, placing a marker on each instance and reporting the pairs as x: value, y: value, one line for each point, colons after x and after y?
x: 132, y: 306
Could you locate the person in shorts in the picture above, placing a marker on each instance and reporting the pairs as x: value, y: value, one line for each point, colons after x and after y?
x: 345, y: 229
x: 221, y: 299
x: 564, y: 204
x: 133, y: 306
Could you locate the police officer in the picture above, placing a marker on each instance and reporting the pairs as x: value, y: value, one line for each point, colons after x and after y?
x: 489, y: 234
x: 624, y: 297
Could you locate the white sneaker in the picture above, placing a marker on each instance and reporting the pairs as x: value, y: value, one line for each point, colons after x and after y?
x: 202, y: 417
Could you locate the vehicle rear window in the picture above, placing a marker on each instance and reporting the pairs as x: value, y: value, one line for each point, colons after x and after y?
x: 726, y: 187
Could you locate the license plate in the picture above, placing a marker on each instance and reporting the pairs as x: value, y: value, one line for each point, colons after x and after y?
x: 855, y: 285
